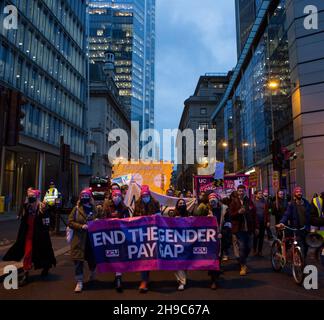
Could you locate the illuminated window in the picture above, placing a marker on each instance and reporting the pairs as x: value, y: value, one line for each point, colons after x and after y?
x: 100, y: 32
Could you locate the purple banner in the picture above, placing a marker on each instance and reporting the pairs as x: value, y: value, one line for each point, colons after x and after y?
x: 155, y: 243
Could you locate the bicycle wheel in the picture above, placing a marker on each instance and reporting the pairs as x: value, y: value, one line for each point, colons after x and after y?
x: 276, y: 256
x: 298, y: 265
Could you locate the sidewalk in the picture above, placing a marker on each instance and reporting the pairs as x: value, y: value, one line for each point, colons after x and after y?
x: 8, y: 216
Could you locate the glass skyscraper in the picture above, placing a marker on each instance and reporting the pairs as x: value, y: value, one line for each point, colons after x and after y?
x: 44, y: 59
x: 127, y: 27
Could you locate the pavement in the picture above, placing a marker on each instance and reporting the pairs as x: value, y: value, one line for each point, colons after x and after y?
x: 260, y: 284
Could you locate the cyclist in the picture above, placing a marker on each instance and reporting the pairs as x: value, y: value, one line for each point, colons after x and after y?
x: 298, y: 216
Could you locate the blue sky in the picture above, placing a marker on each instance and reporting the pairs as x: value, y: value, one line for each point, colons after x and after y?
x: 192, y: 38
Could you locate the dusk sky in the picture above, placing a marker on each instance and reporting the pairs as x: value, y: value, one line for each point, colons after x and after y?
x: 192, y: 38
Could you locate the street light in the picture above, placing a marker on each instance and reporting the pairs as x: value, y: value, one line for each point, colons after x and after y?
x: 273, y: 85
x: 224, y: 144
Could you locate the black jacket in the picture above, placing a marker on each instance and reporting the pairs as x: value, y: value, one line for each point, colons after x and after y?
x: 42, y: 254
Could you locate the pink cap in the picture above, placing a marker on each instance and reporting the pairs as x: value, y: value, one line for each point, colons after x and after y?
x: 213, y: 196
x: 86, y: 192
x: 116, y: 193
x: 145, y: 190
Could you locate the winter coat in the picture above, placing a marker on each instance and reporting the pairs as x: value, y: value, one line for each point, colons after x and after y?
x: 113, y: 211
x: 238, y: 220
x: 291, y: 215
x: 77, y: 219
x: 42, y: 255
x: 279, y: 211
x: 142, y: 209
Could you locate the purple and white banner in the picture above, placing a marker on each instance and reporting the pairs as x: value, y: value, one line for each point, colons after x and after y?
x: 155, y: 243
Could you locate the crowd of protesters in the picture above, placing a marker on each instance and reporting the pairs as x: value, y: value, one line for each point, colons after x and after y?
x: 244, y: 220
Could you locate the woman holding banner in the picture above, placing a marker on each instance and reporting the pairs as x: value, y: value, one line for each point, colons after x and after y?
x: 116, y: 209
x: 146, y: 205
x: 81, y: 249
x: 181, y: 212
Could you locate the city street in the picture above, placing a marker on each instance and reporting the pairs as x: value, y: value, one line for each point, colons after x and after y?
x: 261, y: 283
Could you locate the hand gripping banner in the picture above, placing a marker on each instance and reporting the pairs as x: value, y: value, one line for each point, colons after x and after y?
x: 155, y: 243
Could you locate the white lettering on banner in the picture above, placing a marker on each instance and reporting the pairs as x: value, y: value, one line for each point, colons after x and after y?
x: 145, y: 250
x: 10, y: 21
x: 168, y: 251
x: 112, y: 237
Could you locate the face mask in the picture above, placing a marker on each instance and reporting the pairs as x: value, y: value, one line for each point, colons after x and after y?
x: 213, y: 203
x: 116, y: 200
x: 182, y: 207
x: 32, y: 199
x: 146, y: 199
x: 85, y: 200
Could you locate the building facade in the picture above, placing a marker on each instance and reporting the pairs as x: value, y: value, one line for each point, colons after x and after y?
x: 197, y: 116
x: 105, y: 113
x: 127, y: 27
x: 44, y: 59
x: 253, y: 112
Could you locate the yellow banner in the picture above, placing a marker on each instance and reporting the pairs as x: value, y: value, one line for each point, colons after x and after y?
x: 156, y: 175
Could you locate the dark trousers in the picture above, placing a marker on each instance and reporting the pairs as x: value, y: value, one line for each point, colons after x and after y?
x: 145, y: 275
x: 258, y: 239
x: 51, y: 211
x: 244, y: 239
x: 226, y: 240
x: 79, y: 266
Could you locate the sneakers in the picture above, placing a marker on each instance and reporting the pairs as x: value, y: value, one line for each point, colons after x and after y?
x: 92, y: 276
x: 143, y: 287
x: 181, y: 287
x: 243, y: 271
x: 118, y: 284
x: 79, y: 287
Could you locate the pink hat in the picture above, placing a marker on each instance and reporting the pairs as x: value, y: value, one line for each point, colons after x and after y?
x: 116, y: 193
x: 86, y: 192
x: 213, y: 196
x: 298, y: 189
x: 145, y: 190
x: 37, y: 193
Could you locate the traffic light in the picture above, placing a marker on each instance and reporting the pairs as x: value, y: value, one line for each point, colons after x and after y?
x: 277, y: 156
x: 15, y: 117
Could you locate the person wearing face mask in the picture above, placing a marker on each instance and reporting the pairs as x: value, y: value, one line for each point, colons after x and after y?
x: 33, y: 243
x: 116, y: 209
x: 181, y: 212
x: 298, y: 215
x: 81, y: 249
x: 146, y: 205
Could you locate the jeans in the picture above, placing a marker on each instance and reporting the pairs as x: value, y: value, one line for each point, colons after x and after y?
x: 242, y: 242
x: 258, y: 239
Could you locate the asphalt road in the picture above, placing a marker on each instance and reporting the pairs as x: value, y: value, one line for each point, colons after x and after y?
x: 261, y: 283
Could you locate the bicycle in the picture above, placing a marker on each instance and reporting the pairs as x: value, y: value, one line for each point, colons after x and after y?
x: 288, y: 252
x: 315, y: 240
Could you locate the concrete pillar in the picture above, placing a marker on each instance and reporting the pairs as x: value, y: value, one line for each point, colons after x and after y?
x: 306, y: 54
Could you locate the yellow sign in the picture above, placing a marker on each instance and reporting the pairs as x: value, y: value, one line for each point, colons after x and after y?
x: 2, y: 204
x: 156, y: 175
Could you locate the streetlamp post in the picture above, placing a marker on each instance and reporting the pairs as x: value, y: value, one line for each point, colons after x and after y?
x: 273, y: 85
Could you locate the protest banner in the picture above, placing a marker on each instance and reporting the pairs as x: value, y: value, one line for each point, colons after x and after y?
x: 155, y: 243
